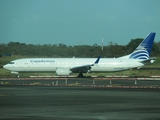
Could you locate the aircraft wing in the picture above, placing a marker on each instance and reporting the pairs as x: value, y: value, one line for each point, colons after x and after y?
x: 84, y: 68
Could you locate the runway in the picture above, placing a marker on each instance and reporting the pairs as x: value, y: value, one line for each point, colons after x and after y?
x: 78, y: 103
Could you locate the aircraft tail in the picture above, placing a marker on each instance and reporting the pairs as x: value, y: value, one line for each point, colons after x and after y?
x: 144, y: 49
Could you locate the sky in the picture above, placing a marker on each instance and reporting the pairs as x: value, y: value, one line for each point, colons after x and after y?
x: 78, y: 22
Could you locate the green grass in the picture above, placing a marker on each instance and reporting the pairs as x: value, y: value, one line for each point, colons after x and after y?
x: 5, y: 73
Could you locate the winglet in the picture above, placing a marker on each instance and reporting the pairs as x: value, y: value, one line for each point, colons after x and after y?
x: 97, y: 61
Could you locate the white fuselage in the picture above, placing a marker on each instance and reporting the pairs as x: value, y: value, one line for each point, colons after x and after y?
x: 51, y: 64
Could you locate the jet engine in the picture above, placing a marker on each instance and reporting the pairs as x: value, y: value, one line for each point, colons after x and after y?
x: 63, y: 71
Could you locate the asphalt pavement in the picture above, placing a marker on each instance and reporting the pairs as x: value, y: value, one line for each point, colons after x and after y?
x: 78, y: 103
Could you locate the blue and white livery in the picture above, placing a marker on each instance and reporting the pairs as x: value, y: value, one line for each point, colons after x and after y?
x: 144, y: 49
x: 66, y: 66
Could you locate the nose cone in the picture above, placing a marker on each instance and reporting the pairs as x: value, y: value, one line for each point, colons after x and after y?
x: 5, y: 67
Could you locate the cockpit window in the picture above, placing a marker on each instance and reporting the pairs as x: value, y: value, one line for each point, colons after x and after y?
x: 11, y: 63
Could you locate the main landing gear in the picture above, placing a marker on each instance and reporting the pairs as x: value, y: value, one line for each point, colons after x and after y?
x: 80, y: 75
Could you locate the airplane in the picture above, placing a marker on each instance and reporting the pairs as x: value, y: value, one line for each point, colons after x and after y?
x: 66, y: 66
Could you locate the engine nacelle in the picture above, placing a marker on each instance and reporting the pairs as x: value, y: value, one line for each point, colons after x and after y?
x: 63, y: 71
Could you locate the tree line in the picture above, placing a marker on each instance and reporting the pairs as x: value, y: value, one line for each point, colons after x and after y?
x: 82, y: 51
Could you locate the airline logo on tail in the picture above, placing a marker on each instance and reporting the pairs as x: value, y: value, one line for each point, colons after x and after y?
x: 144, y: 49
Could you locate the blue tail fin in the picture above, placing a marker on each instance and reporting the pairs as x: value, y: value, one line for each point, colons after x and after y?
x: 144, y: 49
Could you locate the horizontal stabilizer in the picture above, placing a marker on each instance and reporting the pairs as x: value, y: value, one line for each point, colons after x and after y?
x: 148, y: 61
